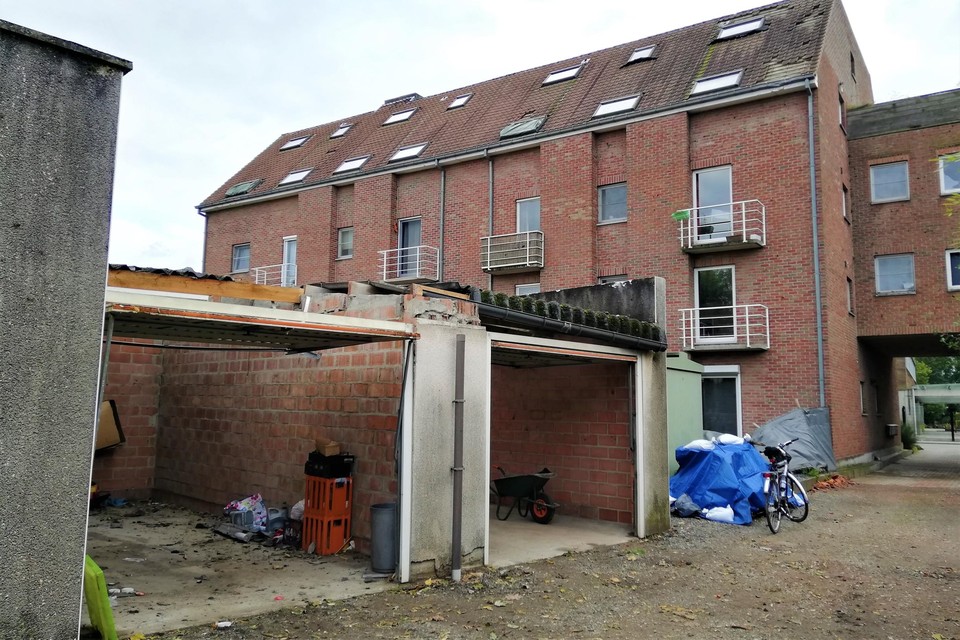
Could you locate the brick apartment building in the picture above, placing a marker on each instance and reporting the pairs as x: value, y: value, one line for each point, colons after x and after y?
x: 716, y: 156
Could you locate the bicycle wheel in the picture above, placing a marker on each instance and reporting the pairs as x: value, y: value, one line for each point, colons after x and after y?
x: 772, y: 508
x: 795, y: 501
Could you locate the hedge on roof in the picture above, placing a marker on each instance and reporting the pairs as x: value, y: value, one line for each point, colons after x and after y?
x: 565, y: 313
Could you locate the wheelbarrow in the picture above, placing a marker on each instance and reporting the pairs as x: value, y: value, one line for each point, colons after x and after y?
x: 527, y: 493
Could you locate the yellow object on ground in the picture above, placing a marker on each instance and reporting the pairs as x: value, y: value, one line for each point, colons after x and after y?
x: 98, y: 599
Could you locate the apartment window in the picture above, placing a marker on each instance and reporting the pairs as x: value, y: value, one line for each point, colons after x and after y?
x: 295, y: 176
x: 611, y: 279
x: 714, y: 298
x: 613, y: 203
x: 341, y: 130
x: 850, y: 307
x: 293, y: 143
x: 405, y: 153
x: 351, y: 164
x: 528, y: 215
x: 713, y: 206
x: 641, y: 53
x: 400, y: 116
x: 894, y: 274
x: 522, y: 127
x: 720, y: 392
x: 715, y: 83
x: 241, y: 258
x: 616, y: 106
x: 528, y: 289
x: 459, y: 101
x: 949, y: 173
x: 953, y: 270
x: 863, y: 398
x: 740, y: 29
x: 889, y: 182
x: 845, y: 202
x: 562, y: 74
x: 843, y: 112
x: 344, y: 243
x: 288, y: 275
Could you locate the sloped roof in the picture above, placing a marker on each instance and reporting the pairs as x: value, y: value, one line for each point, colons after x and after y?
x: 785, y: 49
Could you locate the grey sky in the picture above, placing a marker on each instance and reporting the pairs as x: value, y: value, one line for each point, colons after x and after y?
x: 215, y: 81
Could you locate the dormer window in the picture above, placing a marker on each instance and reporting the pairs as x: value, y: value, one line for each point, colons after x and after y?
x: 616, y: 106
x: 715, y: 83
x: 562, y: 74
x: 641, y: 53
x: 522, y: 127
x: 295, y: 176
x: 293, y: 143
x: 459, y: 101
x: 352, y: 164
x: 242, y: 187
x: 341, y: 130
x: 404, y: 153
x: 740, y: 28
x: 399, y: 116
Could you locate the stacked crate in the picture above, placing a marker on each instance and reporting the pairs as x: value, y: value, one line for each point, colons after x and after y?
x: 326, y: 514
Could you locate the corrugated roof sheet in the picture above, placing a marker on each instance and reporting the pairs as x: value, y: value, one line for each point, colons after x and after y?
x: 186, y: 272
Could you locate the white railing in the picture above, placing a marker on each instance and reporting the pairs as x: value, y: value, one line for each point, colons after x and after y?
x: 515, y: 251
x: 742, y: 326
x: 735, y: 222
x: 409, y: 264
x: 278, y: 275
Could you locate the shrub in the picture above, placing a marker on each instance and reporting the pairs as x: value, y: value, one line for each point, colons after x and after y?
x: 566, y: 313
x: 614, y: 323
x: 500, y: 299
x: 576, y: 315
x: 486, y: 296
x: 540, y: 308
x: 526, y: 303
x: 908, y: 436
x: 553, y: 310
x: 515, y: 304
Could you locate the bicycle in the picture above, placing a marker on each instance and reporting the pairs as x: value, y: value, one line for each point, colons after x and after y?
x: 784, y: 495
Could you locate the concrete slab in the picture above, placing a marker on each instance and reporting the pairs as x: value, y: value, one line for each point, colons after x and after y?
x: 935, y: 466
x: 518, y: 540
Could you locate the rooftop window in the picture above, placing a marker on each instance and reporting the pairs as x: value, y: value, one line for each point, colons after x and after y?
x: 341, y: 130
x: 399, y: 116
x: 740, y: 28
x: 641, y: 53
x: 459, y: 101
x: 717, y: 82
x: 563, y: 74
x: 293, y: 143
x: 352, y: 164
x: 408, y: 152
x: 295, y: 176
x: 243, y: 187
x: 616, y: 106
x: 521, y: 127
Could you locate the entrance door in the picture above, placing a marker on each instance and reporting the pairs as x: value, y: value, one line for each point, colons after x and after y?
x: 721, y: 399
x: 408, y: 258
x: 288, y: 274
x: 715, y: 295
x: 713, y: 189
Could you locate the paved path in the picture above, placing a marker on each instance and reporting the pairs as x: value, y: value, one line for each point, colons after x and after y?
x: 936, y: 465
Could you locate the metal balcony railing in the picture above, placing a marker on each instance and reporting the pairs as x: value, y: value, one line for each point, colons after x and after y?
x: 721, y: 227
x: 409, y: 264
x: 739, y: 327
x: 278, y: 275
x: 512, y: 252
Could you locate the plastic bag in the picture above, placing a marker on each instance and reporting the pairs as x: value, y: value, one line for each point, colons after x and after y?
x: 296, y: 511
x: 252, y: 503
x: 685, y: 507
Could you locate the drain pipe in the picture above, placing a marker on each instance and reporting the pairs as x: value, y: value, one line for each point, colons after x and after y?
x: 816, y: 247
x: 486, y: 152
x: 457, y: 469
x: 443, y: 204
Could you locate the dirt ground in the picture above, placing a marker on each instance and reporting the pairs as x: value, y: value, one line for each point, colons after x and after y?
x: 878, y: 559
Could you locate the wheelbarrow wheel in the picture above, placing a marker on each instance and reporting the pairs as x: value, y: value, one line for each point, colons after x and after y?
x: 540, y: 509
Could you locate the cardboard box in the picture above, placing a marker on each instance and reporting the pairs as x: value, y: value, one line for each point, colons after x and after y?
x: 109, y: 431
x: 327, y: 447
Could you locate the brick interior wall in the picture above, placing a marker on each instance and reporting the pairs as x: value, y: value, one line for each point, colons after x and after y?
x: 574, y: 421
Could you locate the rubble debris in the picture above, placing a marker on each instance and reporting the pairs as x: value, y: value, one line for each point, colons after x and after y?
x: 836, y: 481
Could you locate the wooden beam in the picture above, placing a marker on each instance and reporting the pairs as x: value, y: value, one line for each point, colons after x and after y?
x: 443, y: 292
x: 150, y: 281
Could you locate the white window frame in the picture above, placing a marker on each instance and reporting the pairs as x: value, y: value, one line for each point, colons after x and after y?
x: 845, y: 201
x: 951, y: 286
x: 233, y: 258
x: 562, y: 75
x: 405, y: 153
x: 342, y: 130
x: 399, y: 116
x: 727, y: 371
x: 707, y: 238
x: 900, y: 198
x: 717, y: 82
x: 740, y: 28
x: 732, y: 338
x: 341, y: 254
x: 851, y: 298
x: 617, y: 105
x: 293, y: 143
x: 894, y: 292
x: 527, y: 289
x: 600, y: 190
x: 642, y: 53
x: 352, y: 164
x: 539, y: 212
x: 944, y: 191
x: 459, y: 101
x: 288, y: 276
x: 297, y: 175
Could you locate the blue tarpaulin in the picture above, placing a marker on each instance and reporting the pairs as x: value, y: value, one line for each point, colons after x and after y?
x: 728, y: 474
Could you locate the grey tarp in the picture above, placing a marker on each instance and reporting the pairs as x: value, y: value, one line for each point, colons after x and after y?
x: 814, y: 447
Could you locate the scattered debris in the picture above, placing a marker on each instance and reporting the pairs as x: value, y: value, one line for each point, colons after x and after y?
x: 836, y: 481
x: 224, y: 624
x: 134, y: 559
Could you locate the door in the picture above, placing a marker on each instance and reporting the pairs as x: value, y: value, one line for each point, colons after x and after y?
x: 713, y: 193
x: 408, y: 256
x: 288, y: 270
x: 714, y: 300
x: 721, y: 399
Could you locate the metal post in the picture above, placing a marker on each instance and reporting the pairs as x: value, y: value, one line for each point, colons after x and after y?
x: 457, y: 469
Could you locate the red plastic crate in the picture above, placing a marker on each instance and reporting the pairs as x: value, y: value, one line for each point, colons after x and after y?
x: 329, y: 535
x: 328, y: 497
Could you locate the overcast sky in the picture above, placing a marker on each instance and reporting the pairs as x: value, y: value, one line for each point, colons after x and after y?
x: 216, y: 81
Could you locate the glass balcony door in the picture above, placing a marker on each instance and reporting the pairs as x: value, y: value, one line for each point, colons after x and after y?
x: 713, y: 191
x: 715, y: 299
x: 409, y: 241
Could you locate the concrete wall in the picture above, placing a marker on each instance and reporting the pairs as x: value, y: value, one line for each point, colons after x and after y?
x: 58, y: 123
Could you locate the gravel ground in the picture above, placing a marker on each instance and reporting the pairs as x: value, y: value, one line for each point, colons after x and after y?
x: 874, y: 560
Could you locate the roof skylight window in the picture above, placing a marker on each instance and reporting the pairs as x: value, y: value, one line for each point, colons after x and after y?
x: 459, y: 101
x: 521, y: 127
x: 408, y: 152
x: 351, y: 164
x: 740, y: 28
x: 716, y: 83
x: 616, y: 106
x: 341, y: 130
x: 399, y: 116
x: 295, y: 176
x: 641, y: 53
x: 243, y: 187
x: 563, y: 74
x: 293, y: 143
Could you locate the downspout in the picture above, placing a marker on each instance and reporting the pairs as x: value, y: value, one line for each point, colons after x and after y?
x: 816, y: 247
x: 486, y: 152
x: 456, y: 550
x: 443, y: 204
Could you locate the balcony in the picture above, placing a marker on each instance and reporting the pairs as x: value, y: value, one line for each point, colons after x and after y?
x: 742, y: 327
x: 723, y: 227
x: 512, y: 252
x: 278, y: 275
x: 409, y: 264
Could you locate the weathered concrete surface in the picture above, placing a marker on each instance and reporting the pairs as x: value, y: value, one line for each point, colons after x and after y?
x: 636, y: 298
x: 58, y: 122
